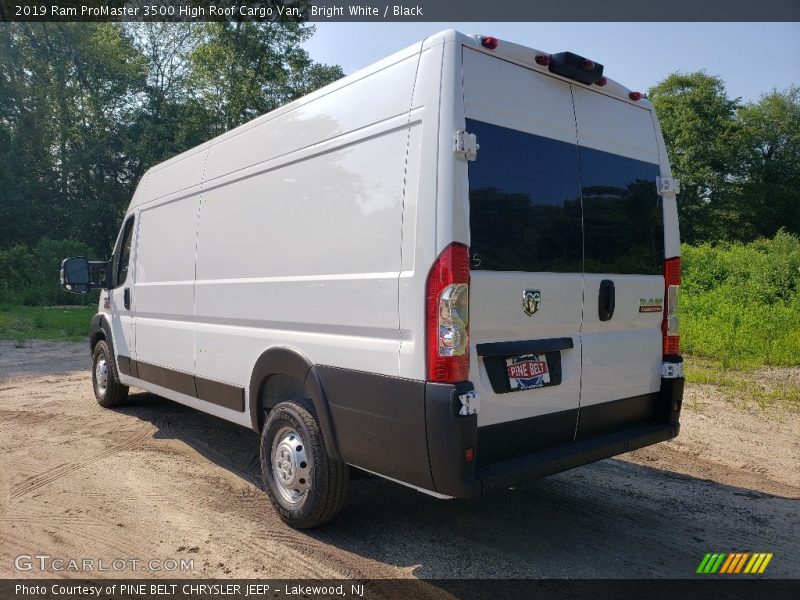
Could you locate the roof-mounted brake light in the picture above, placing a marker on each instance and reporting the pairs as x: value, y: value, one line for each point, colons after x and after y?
x: 578, y: 68
x: 636, y: 96
x: 489, y: 42
x: 542, y: 60
x: 601, y: 82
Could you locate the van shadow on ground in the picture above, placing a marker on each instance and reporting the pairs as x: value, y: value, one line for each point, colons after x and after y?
x: 609, y: 519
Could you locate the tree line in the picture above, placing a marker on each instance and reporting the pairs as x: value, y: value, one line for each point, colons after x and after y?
x: 739, y: 162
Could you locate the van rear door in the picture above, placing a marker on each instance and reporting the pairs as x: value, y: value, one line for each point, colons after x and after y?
x: 526, y: 283
x: 623, y: 262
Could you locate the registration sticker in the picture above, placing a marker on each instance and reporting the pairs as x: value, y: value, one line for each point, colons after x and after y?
x: 527, y: 372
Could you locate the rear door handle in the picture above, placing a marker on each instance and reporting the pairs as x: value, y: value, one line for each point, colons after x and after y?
x: 126, y: 298
x: 606, y: 300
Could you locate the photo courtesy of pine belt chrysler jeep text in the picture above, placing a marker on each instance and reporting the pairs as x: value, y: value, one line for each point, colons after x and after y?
x: 457, y: 268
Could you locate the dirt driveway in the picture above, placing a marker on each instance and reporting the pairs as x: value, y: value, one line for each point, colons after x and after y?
x: 155, y: 480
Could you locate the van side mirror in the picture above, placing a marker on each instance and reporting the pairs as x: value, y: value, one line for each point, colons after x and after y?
x: 75, y: 275
x: 78, y: 275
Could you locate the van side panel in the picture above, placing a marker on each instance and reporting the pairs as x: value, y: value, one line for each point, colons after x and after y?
x: 164, y: 290
x: 302, y: 256
x: 303, y: 250
x: 162, y: 294
x: 376, y: 97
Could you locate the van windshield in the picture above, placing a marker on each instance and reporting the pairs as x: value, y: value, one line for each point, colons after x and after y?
x: 539, y: 204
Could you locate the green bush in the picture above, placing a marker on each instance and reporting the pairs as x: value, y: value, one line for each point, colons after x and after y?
x: 29, y: 276
x: 740, y: 303
x: 16, y: 268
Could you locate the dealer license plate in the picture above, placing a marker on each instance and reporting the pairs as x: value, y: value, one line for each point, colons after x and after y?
x: 527, y: 372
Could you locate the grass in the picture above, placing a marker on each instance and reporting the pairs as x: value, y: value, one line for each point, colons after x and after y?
x: 744, y: 386
x: 62, y: 323
x: 722, y: 325
x: 740, y: 303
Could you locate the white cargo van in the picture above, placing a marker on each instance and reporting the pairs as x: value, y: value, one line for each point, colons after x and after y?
x: 457, y: 269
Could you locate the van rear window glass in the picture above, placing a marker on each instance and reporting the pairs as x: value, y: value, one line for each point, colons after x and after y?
x: 525, y: 202
x: 538, y: 204
x: 622, y: 214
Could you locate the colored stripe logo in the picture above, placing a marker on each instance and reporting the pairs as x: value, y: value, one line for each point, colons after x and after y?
x: 733, y: 563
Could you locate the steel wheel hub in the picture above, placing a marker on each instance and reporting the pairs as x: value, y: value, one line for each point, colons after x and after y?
x: 101, y: 376
x: 290, y: 469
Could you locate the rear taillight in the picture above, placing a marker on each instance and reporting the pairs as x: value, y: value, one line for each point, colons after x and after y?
x: 447, y: 316
x: 671, y: 325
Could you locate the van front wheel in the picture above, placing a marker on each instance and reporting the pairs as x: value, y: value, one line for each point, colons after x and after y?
x: 306, y: 487
x: 107, y: 388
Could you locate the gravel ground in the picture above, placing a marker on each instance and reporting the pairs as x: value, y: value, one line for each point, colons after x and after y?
x: 156, y: 480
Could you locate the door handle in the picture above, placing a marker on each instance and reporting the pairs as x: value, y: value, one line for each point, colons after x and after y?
x: 606, y: 300
x: 126, y: 298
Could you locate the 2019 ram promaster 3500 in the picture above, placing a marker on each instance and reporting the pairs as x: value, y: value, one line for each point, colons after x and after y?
x: 457, y: 269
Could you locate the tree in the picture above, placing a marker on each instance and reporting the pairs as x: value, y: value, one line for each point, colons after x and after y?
x: 68, y: 91
x: 770, y: 162
x: 699, y: 124
x: 739, y: 164
x: 157, y: 131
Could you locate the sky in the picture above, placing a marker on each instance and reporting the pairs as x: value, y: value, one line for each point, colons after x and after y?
x: 751, y: 58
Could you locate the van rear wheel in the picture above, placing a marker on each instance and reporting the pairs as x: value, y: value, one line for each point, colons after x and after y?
x: 306, y: 486
x: 105, y: 381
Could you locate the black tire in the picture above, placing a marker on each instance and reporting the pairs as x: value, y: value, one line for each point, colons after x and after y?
x: 322, y: 479
x: 114, y: 393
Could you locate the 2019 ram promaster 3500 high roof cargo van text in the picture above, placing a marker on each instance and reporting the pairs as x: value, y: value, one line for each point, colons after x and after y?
x: 457, y: 269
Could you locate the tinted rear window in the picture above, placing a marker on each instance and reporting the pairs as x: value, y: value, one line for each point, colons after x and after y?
x: 538, y: 204
x: 525, y: 202
x: 623, y: 222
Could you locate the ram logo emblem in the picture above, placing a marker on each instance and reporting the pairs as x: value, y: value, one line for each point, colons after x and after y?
x: 531, y: 300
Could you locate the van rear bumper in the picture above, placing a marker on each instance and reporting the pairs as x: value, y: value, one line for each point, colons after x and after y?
x: 449, y: 435
x: 504, y: 474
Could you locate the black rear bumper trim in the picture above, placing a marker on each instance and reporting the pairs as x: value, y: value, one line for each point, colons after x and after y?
x: 561, y: 458
x: 501, y: 475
